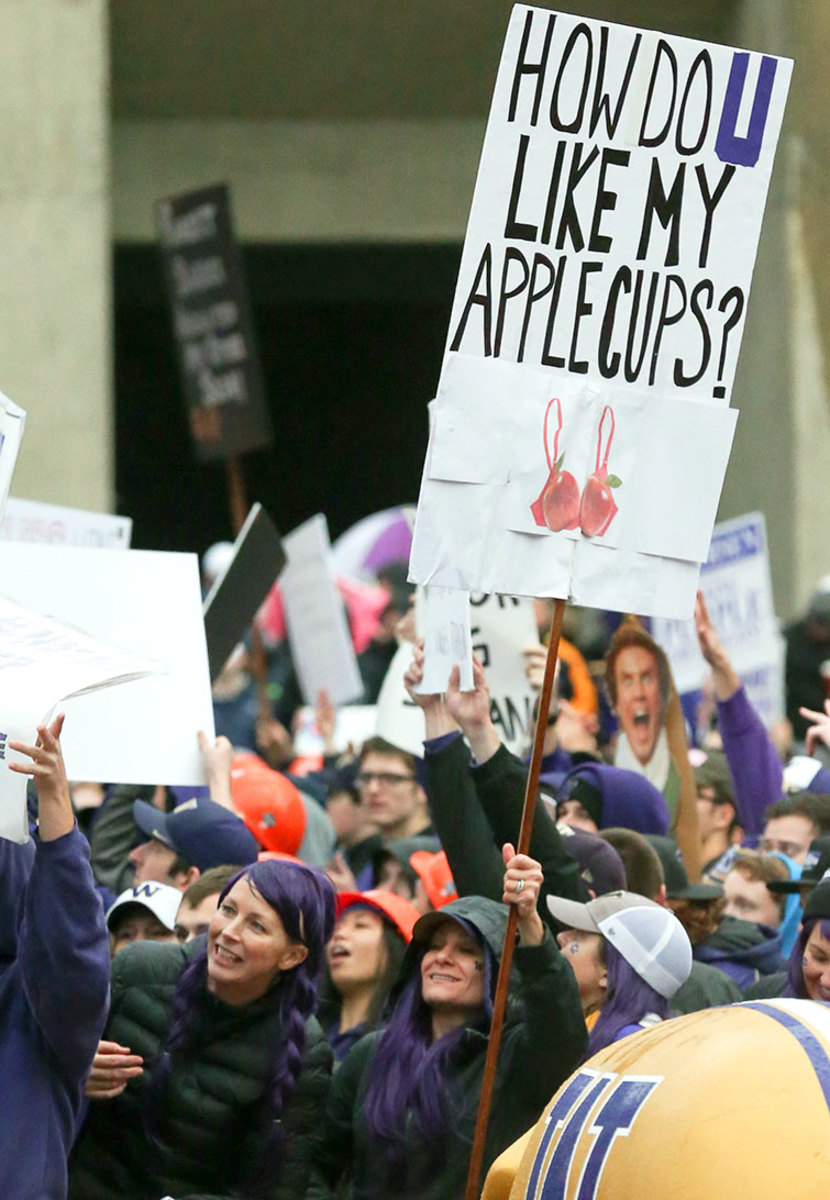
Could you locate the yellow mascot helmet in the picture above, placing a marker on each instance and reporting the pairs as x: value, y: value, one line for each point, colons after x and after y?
x: 720, y: 1103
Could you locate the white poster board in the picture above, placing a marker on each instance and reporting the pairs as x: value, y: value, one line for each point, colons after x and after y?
x: 56, y: 525
x: 42, y: 664
x: 581, y: 430
x: 12, y: 424
x: 502, y: 627
x: 737, y: 587
x: 399, y: 719
x: 318, y: 631
x: 146, y: 603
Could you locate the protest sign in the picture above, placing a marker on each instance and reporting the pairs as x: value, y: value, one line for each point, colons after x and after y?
x: 321, y: 645
x: 501, y: 628
x: 737, y: 587
x: 146, y: 603
x: 218, y: 363
x: 44, y: 663
x: 399, y: 719
x: 232, y: 603
x: 581, y: 429
x: 54, y: 524
x: 12, y: 422
x: 353, y: 724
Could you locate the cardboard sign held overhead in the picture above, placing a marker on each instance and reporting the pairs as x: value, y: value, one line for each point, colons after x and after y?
x: 146, y: 603
x: 582, y: 426
x: 321, y: 645
x: 219, y: 367
x: 737, y: 586
x: 44, y: 663
x: 232, y: 603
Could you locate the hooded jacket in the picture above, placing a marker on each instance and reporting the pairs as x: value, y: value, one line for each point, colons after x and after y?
x: 54, y: 983
x: 745, y: 950
x: 628, y: 799
x: 543, y: 1039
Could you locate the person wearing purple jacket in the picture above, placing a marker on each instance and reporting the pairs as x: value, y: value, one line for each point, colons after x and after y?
x: 757, y: 771
x: 54, y: 981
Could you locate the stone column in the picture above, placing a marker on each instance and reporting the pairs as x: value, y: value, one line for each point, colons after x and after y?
x: 55, y: 354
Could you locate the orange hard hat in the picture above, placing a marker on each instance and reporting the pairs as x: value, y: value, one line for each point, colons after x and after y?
x: 399, y: 912
x: 268, y: 803
x: 434, y: 872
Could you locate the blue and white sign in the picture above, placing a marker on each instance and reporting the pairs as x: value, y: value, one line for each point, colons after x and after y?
x: 737, y: 587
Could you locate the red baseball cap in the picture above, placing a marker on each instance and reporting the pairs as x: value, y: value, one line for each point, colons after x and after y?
x: 399, y: 912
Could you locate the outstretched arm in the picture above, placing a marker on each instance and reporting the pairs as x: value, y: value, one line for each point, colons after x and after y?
x: 756, y: 769
x: 500, y: 781
x: 63, y: 949
x: 458, y: 818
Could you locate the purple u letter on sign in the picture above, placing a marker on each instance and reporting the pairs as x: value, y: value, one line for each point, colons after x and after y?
x: 744, y: 151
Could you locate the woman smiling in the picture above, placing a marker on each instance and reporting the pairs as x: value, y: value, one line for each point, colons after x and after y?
x: 236, y: 1068
x: 403, y: 1105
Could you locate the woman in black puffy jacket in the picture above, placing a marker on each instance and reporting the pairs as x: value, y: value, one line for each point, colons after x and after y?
x: 231, y: 1068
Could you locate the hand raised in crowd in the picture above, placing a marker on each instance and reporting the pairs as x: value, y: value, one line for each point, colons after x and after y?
x: 217, y: 760
x: 472, y: 712
x: 325, y: 718
x: 535, y: 657
x: 54, y: 803
x: 819, y: 730
x: 112, y: 1069
x: 724, y: 677
x: 436, y: 715
x: 340, y: 874
x: 523, y: 880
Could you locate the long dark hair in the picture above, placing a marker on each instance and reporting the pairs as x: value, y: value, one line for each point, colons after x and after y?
x: 407, y: 1075
x: 795, y: 965
x: 394, y: 949
x: 628, y: 999
x: 304, y: 901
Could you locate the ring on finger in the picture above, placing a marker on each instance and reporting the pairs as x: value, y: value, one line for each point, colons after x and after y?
x: 520, y: 886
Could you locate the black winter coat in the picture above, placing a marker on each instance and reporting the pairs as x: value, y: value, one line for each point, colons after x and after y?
x: 209, y: 1134
x: 544, y: 1038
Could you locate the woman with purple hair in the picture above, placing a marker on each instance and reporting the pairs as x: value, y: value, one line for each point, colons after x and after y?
x: 230, y: 1068
x: 629, y: 956
x: 808, y: 971
x: 403, y: 1105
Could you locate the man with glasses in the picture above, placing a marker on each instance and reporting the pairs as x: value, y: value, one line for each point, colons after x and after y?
x: 389, y: 787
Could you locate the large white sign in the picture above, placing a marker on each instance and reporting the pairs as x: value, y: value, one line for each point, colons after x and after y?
x: 56, y: 525
x: 321, y: 645
x: 43, y: 663
x: 737, y: 587
x: 145, y: 603
x: 581, y: 430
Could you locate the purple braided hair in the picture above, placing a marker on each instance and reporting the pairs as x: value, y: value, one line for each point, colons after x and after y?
x: 303, y: 898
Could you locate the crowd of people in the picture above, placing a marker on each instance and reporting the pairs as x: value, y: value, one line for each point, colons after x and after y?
x: 282, y: 984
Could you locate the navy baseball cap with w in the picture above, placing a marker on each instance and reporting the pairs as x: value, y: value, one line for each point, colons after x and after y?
x: 200, y: 830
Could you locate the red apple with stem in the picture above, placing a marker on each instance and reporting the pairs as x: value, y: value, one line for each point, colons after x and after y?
x: 557, y: 505
x: 598, y: 507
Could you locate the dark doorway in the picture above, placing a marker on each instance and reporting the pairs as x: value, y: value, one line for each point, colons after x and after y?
x: 351, y: 339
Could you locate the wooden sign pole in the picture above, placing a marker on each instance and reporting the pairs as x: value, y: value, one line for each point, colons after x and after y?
x: 522, y: 847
